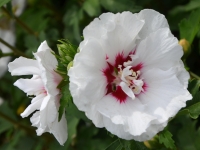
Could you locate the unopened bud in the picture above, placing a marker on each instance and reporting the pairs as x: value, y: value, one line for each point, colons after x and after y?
x: 20, y: 109
x: 153, y: 143
x: 186, y: 45
x: 69, y: 65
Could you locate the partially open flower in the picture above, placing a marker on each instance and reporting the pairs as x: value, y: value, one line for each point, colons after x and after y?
x: 128, y: 76
x: 43, y: 85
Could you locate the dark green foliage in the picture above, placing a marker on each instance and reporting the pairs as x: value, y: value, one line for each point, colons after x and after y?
x: 165, y: 137
x: 190, y: 27
x: 53, y: 20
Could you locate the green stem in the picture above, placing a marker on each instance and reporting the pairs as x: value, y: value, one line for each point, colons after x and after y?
x: 27, y: 129
x: 15, y: 51
x: 22, y: 24
x: 17, y: 124
x: 6, y: 54
x: 194, y: 75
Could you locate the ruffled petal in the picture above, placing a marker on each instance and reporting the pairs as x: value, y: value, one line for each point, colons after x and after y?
x: 35, y: 105
x: 163, y: 53
x: 153, y: 22
x: 165, y: 94
x: 48, y: 64
x: 59, y: 129
x: 48, y: 111
x: 131, y: 114
x: 24, y: 66
x: 30, y: 86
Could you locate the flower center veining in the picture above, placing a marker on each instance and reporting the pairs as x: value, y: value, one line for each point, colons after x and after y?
x: 124, y: 78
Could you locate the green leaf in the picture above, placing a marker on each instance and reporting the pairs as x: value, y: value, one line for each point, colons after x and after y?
x: 120, y: 5
x: 72, y: 123
x: 3, y: 2
x: 165, y: 137
x: 116, y: 145
x: 194, y: 86
x: 72, y: 111
x: 190, y: 27
x: 194, y: 4
x: 92, y: 7
x: 188, y: 135
x: 194, y: 110
x: 65, y: 99
x: 193, y: 106
x: 137, y: 145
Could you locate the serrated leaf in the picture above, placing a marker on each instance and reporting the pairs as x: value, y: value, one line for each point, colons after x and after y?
x: 165, y: 137
x: 190, y: 27
x: 65, y: 100
x: 3, y: 2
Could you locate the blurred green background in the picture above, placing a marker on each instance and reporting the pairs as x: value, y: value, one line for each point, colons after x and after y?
x: 52, y: 20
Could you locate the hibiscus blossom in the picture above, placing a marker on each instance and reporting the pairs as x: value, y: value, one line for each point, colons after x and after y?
x: 128, y: 76
x: 43, y: 85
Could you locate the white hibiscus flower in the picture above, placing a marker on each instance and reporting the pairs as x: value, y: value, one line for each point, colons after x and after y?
x: 43, y: 85
x: 128, y: 76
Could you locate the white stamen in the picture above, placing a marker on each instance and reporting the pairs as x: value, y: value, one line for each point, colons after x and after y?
x: 130, y: 83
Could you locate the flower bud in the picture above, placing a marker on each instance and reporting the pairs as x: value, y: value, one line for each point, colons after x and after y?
x: 186, y: 45
x: 69, y: 65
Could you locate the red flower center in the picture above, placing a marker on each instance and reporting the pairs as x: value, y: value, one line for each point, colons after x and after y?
x: 119, y: 72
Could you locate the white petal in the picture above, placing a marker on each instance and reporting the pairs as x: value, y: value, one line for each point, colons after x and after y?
x: 153, y: 21
x: 127, y: 90
x: 43, y: 47
x: 48, y: 64
x: 130, y: 114
x: 117, y: 33
x: 35, y: 119
x: 30, y: 86
x: 35, y: 105
x: 163, y: 53
x: 24, y: 66
x: 182, y: 74
x: 59, y: 130
x: 126, y: 72
x: 165, y: 95
x: 95, y: 116
x: 19, y: 5
x: 92, y: 55
x: 131, y: 23
x: 48, y: 111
